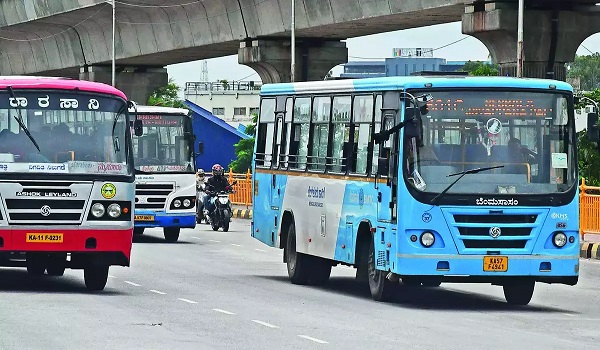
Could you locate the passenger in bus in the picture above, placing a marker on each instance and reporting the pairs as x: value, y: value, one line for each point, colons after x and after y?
x: 518, y: 157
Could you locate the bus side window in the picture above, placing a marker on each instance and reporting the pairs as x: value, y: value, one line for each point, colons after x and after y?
x: 362, y: 117
x: 300, y: 131
x: 266, y: 130
x: 341, y: 151
x: 376, y: 129
x: 320, y: 129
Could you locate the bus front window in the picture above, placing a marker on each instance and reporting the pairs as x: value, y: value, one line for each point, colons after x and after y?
x: 529, y: 135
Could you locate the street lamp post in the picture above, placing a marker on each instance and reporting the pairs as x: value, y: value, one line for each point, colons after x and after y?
x: 293, y: 44
x: 113, y: 42
x: 520, y: 39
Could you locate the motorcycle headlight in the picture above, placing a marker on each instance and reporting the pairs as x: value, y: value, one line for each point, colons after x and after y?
x: 187, y: 203
x: 223, y: 200
x: 177, y: 203
x: 98, y: 210
x: 114, y: 210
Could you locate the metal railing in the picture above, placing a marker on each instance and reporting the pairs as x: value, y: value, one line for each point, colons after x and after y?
x: 589, y: 209
x: 195, y: 88
x: 243, y: 188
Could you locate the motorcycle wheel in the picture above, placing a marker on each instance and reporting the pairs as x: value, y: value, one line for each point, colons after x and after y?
x: 226, y: 217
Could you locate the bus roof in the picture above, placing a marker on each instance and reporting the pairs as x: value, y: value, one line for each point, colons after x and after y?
x: 409, y: 82
x: 160, y: 110
x: 34, y: 82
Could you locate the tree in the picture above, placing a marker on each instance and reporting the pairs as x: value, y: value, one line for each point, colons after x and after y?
x: 587, y: 69
x: 244, y: 150
x: 166, y: 96
x: 588, y: 155
x: 478, y: 68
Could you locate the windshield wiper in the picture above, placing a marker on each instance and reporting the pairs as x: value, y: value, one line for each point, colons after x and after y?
x: 20, y: 119
x: 463, y: 173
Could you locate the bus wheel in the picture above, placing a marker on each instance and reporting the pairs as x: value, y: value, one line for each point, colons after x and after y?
x: 138, y: 231
x: 172, y: 234
x: 95, y: 277
x: 380, y: 286
x: 519, y: 293
x: 298, y: 264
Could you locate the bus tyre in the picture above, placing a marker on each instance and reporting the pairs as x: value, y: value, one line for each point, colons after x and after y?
x: 380, y: 286
x: 138, y: 231
x: 95, y: 277
x: 171, y: 234
x: 519, y: 293
x: 226, y: 217
x: 298, y: 264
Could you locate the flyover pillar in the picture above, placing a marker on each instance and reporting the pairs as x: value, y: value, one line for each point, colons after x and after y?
x: 551, y: 36
x: 271, y: 59
x: 137, y: 83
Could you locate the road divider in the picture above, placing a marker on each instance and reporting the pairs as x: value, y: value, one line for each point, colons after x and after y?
x: 590, y: 250
x: 242, y: 213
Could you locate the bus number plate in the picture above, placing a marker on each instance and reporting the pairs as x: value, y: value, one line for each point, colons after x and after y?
x: 44, y: 238
x: 143, y: 217
x: 495, y: 263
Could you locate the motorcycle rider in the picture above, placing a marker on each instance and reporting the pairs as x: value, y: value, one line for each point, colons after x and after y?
x: 217, y: 183
x: 200, y: 185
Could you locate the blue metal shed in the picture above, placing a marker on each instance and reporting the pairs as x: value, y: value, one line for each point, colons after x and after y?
x: 217, y: 136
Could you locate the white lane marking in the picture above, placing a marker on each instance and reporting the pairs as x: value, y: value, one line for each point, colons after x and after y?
x: 260, y: 250
x: 224, y: 312
x: 265, y: 324
x: 212, y: 240
x: 133, y: 284
x: 187, y: 301
x: 157, y: 292
x: 111, y: 276
x: 194, y: 237
x: 313, y: 339
x: 235, y: 245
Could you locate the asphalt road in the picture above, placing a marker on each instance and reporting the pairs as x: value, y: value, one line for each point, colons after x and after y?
x: 216, y: 290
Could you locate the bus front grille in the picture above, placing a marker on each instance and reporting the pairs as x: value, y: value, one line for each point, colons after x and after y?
x: 152, y: 196
x: 44, y: 211
x: 477, y: 231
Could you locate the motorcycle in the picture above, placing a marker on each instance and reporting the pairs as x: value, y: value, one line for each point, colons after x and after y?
x: 222, y: 213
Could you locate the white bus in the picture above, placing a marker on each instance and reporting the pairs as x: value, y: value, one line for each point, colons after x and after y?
x: 165, y: 192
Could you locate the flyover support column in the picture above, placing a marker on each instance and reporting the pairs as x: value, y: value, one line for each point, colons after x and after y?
x: 137, y: 83
x: 271, y: 59
x: 551, y: 36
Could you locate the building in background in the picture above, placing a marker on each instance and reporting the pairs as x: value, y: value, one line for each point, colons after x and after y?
x: 405, y: 61
x: 233, y: 102
x: 216, y: 136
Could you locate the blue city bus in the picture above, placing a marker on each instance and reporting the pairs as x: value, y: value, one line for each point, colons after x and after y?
x: 165, y: 176
x: 420, y: 179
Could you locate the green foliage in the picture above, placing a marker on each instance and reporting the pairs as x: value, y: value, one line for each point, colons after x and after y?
x: 166, y: 96
x: 244, y: 150
x: 588, y: 155
x: 478, y: 68
x: 587, y: 69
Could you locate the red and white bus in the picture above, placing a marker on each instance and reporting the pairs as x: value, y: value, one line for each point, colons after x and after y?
x: 66, y: 177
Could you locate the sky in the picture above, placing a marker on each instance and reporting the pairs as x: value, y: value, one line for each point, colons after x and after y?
x: 377, y: 46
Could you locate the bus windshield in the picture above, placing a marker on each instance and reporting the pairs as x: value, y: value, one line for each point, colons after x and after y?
x: 166, y: 145
x: 529, y: 134
x: 76, y: 133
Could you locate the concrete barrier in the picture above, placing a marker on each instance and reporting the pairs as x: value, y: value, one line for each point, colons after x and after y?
x: 590, y: 250
x: 242, y: 213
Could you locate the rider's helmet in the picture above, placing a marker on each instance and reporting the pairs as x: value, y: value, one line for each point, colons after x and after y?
x: 200, y: 173
x: 217, y: 170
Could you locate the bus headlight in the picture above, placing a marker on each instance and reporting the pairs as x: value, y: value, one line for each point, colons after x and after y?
x: 177, y: 203
x: 187, y: 203
x: 98, y: 210
x: 114, y: 210
x: 427, y: 239
x: 560, y: 239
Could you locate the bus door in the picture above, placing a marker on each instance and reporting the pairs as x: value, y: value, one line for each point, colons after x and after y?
x: 387, y: 192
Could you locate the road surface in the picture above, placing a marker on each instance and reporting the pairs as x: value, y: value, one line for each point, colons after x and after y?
x: 216, y: 290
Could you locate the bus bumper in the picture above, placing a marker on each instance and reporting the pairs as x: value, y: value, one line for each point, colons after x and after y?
x: 163, y: 219
x: 470, y: 268
x: 100, y: 246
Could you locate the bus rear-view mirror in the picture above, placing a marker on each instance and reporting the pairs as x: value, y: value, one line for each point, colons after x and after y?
x: 138, y: 128
x: 593, y: 131
x: 382, y: 166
